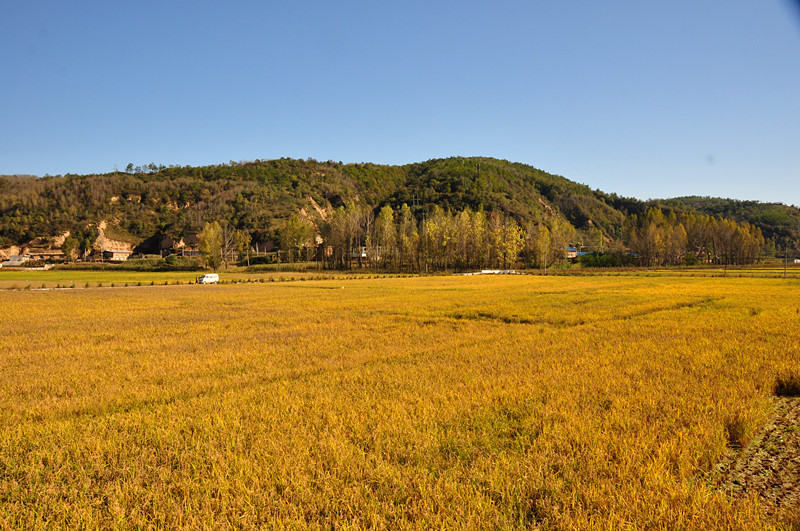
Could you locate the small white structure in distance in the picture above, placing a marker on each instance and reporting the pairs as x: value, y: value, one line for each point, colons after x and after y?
x: 15, y: 261
x: 116, y: 255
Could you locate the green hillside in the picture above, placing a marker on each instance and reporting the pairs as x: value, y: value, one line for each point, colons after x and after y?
x: 142, y: 205
x: 779, y: 223
x: 258, y: 196
x: 524, y: 192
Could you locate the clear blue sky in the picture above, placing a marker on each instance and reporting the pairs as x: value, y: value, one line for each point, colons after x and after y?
x: 642, y: 98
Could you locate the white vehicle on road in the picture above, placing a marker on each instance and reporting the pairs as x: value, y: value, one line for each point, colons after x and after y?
x: 208, y: 278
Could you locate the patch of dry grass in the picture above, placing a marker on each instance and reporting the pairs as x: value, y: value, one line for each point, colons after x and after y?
x: 465, y: 402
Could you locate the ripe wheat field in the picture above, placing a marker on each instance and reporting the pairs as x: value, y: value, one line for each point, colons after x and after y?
x: 438, y: 402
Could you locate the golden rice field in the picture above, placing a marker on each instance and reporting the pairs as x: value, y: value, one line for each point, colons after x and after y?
x: 441, y: 402
x: 20, y: 279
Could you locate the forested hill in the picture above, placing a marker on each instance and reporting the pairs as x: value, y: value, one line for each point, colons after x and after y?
x: 779, y: 223
x: 259, y: 196
x: 144, y: 204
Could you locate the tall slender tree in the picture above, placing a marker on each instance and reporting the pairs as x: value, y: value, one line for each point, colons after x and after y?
x: 211, y: 244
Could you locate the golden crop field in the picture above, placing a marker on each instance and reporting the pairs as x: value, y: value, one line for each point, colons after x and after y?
x: 440, y: 402
x: 21, y: 279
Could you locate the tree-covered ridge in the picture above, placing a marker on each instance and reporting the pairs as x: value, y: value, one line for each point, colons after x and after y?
x: 143, y: 204
x: 517, y: 189
x: 258, y: 196
x: 779, y: 223
x: 252, y: 196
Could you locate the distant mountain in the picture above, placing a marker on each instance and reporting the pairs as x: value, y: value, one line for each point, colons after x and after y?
x: 142, y: 206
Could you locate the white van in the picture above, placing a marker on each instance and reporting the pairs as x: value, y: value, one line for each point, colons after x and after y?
x: 208, y: 278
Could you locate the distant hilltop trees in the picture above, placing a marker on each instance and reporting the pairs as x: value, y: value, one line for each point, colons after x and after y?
x: 439, y: 214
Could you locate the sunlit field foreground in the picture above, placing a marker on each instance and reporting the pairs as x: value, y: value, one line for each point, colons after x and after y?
x: 449, y: 402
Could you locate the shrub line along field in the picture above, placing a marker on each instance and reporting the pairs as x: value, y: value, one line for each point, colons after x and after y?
x: 566, y: 402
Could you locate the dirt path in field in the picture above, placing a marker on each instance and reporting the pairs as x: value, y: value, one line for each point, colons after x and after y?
x: 769, y: 466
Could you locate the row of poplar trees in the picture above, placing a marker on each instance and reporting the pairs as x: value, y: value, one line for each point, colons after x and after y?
x: 393, y: 239
x: 468, y: 239
x: 669, y: 239
x: 354, y: 236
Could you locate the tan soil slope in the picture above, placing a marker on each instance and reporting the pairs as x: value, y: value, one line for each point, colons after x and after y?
x: 5, y: 254
x: 103, y: 243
